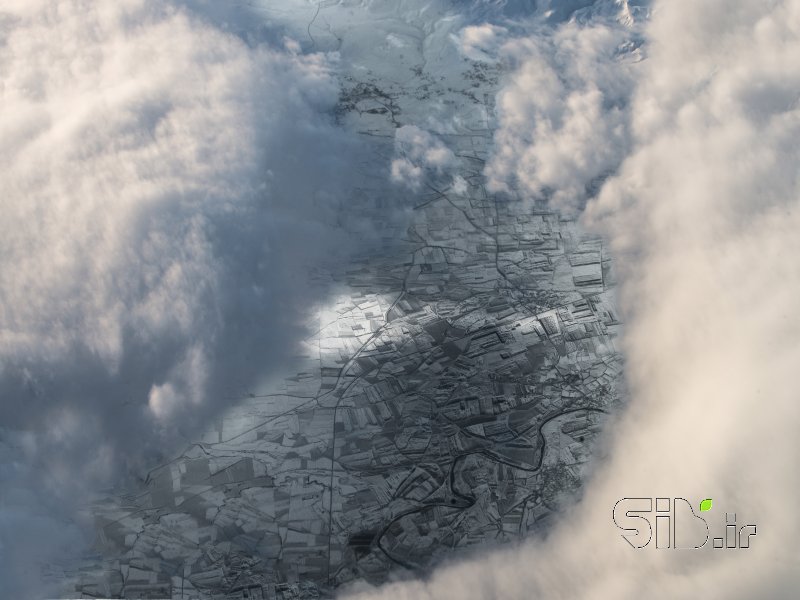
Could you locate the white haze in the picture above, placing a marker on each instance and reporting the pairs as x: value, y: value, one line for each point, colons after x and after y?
x: 162, y: 183
x: 703, y: 214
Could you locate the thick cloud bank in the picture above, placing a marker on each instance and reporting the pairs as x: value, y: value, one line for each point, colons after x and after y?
x: 564, y: 113
x: 704, y: 214
x: 162, y: 183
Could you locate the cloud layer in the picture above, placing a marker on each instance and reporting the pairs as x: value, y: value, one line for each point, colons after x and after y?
x: 703, y: 213
x: 164, y: 183
x: 563, y: 115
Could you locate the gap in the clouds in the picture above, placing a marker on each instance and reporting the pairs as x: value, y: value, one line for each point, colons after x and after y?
x: 227, y: 294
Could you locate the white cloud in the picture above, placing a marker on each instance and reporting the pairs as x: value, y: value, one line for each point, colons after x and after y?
x: 703, y: 215
x: 421, y: 154
x: 563, y: 114
x: 163, y: 184
x: 481, y: 42
x: 123, y: 144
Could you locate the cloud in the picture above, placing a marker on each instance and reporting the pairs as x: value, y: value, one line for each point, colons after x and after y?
x: 481, y: 42
x: 35, y: 519
x: 164, y: 185
x: 703, y: 214
x: 421, y: 155
x: 563, y: 114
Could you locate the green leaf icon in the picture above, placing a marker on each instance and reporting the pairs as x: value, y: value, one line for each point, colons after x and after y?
x: 705, y: 505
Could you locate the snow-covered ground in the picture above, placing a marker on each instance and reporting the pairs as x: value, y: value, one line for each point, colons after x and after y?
x: 451, y: 393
